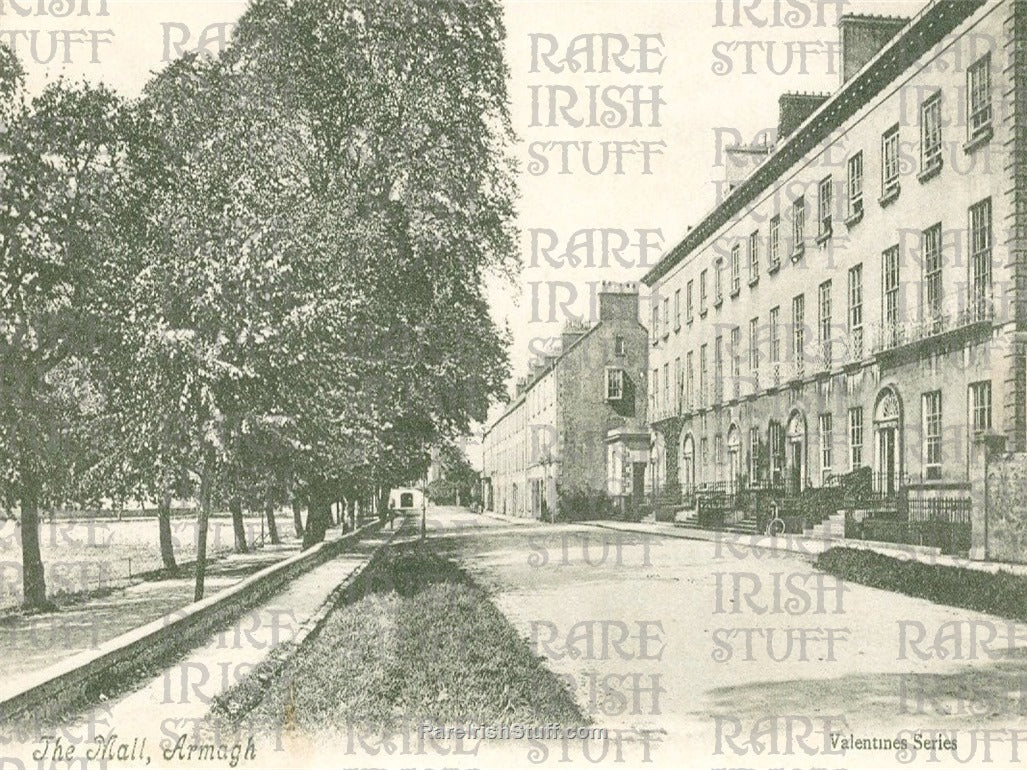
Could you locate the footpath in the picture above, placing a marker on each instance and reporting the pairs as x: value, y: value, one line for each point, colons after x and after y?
x: 797, y: 545
x: 30, y: 643
x: 177, y: 700
x: 31, y: 647
x: 810, y: 546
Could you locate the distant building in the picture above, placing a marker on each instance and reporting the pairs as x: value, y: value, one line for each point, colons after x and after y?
x: 572, y: 414
x: 405, y: 498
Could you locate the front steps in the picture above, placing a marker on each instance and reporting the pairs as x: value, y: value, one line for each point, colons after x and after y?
x: 831, y: 528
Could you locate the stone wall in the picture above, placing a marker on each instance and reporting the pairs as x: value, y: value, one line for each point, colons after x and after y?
x: 1001, y: 532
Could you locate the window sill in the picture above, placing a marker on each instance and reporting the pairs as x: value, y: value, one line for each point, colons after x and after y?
x: 797, y: 252
x: 754, y: 281
x: 735, y: 292
x: 854, y: 218
x: 824, y: 237
x: 930, y: 172
x: 718, y: 302
x: 890, y: 195
x: 982, y: 137
x: 702, y: 313
x: 677, y: 328
x: 774, y: 267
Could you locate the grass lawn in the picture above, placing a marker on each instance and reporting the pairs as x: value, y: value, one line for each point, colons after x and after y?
x: 1002, y: 593
x: 90, y: 556
x: 415, y: 641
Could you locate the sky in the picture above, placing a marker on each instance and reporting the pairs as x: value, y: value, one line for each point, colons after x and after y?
x: 676, y: 79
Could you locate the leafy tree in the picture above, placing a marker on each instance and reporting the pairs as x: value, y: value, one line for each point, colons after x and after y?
x: 458, y: 480
x: 61, y: 149
x: 210, y: 315
x: 408, y: 163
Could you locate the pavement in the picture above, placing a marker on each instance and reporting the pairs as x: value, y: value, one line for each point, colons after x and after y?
x: 29, y: 643
x: 799, y: 545
x: 811, y: 546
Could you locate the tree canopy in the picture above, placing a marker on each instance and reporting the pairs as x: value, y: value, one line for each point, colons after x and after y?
x: 264, y: 277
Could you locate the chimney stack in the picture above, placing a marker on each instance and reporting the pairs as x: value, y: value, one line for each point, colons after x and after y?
x: 618, y: 301
x: 740, y: 160
x: 863, y: 37
x: 794, y: 108
x: 572, y: 331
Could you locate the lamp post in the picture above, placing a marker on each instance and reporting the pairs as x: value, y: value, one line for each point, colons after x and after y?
x: 424, y: 505
x: 545, y: 461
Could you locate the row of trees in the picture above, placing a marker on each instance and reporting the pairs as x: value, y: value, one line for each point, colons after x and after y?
x: 457, y: 482
x: 262, y: 280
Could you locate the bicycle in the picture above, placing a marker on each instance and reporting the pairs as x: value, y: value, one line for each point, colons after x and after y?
x: 776, y: 525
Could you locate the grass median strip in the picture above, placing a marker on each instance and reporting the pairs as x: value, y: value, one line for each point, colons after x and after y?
x: 415, y: 640
x: 1001, y: 593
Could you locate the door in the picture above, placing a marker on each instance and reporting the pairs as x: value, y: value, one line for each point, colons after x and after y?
x: 797, y: 475
x: 638, y: 482
x: 888, y: 460
x: 735, y: 468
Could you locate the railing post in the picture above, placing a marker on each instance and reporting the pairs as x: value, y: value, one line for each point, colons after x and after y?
x: 985, y: 446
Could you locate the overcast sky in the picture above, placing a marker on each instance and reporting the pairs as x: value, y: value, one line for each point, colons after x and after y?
x: 722, y: 71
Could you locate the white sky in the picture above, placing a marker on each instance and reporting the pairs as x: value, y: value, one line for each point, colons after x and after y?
x: 132, y: 39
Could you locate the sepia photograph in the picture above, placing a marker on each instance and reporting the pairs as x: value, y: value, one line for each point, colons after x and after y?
x: 486, y: 384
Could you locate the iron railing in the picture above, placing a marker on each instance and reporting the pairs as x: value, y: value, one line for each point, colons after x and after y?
x: 889, y: 336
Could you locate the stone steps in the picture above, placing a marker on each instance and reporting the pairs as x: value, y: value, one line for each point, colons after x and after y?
x: 831, y: 528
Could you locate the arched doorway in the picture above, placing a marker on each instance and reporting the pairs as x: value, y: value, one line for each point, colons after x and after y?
x: 686, y: 472
x: 734, y: 458
x: 887, y: 441
x: 796, y: 452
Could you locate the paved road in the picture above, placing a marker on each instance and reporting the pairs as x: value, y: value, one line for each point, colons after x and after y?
x: 692, y: 654
x: 699, y: 654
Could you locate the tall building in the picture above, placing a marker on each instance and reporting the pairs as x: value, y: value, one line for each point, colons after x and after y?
x: 858, y: 297
x: 574, y: 414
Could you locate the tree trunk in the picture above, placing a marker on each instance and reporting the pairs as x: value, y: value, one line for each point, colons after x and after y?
x: 352, y: 515
x: 319, y: 516
x: 167, y: 549
x: 202, y: 518
x: 297, y: 517
x: 235, y: 506
x: 269, y: 512
x: 33, y: 580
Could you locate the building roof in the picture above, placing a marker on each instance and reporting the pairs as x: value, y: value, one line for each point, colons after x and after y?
x: 923, y: 31
x: 538, y: 378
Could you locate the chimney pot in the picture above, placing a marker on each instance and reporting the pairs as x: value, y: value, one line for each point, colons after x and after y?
x: 862, y: 37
